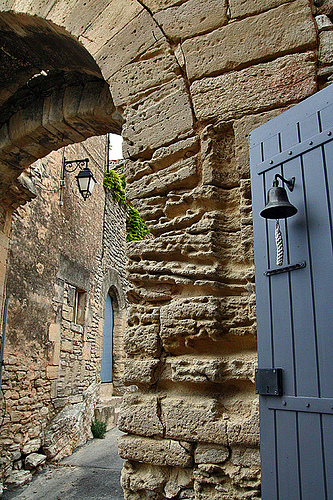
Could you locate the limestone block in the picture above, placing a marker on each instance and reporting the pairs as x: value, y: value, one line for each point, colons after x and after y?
x: 71, y: 427
x: 140, y: 371
x: 39, y: 8
x: 112, y: 19
x: 166, y: 155
x: 188, y: 368
x: 76, y: 17
x: 286, y: 29
x: 155, y: 67
x: 134, y: 39
x: 210, y: 454
x: 34, y: 460
x: 182, y: 174
x: 194, y: 419
x: 159, y: 482
x: 192, y: 18
x: 142, y: 334
x: 219, y: 166
x: 246, y: 457
x: 242, y: 129
x: 154, y: 451
x: 142, y: 340
x: 157, y: 5
x: 53, y: 119
x: 325, y: 54
x: 250, y: 90
x: 94, y: 112
x: 157, y: 120
x: 245, y: 432
x: 323, y: 23
x: 31, y: 446
x: 242, y: 8
x: 139, y: 414
x: 162, y: 158
x: 18, y: 478
x: 226, y: 482
x: 189, y: 319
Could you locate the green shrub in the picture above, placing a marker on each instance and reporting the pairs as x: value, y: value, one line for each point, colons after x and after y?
x: 135, y: 226
x: 98, y: 429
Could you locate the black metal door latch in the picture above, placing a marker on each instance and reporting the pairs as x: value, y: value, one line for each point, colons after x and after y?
x: 268, y: 381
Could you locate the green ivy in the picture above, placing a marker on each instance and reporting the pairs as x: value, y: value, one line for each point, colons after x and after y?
x: 136, y: 228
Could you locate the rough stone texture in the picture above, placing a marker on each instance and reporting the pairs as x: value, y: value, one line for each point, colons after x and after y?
x: 138, y: 36
x: 34, y: 460
x: 211, y: 454
x: 136, y: 80
x: 325, y: 54
x: 154, y: 451
x: 238, y: 93
x: 287, y: 28
x: 142, y: 334
x: 141, y: 372
x: 70, y: 428
x: 143, y: 129
x: 141, y: 479
x: 192, y: 18
x: 242, y: 8
x: 140, y: 415
x: 18, y: 478
x: 187, y: 320
x: 191, y: 80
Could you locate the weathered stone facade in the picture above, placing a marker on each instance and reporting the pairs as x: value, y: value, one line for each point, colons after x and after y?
x: 66, y: 255
x: 191, y: 79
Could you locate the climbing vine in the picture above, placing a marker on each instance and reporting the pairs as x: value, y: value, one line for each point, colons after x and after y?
x: 136, y: 228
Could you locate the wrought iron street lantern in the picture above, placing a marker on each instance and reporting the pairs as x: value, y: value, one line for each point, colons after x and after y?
x: 85, y: 179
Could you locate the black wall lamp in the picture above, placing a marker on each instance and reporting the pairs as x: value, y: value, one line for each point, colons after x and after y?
x: 85, y: 179
x: 278, y: 206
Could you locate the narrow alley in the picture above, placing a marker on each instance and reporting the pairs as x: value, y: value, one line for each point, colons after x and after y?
x: 91, y: 472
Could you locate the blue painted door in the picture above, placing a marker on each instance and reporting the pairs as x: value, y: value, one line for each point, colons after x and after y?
x: 106, y: 366
x: 295, y: 306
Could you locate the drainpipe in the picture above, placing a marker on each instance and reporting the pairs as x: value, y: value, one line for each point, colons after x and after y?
x: 4, y: 325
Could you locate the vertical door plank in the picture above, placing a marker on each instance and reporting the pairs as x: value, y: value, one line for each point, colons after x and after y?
x: 268, y: 451
x: 322, y: 264
x: 311, y: 458
x: 287, y: 453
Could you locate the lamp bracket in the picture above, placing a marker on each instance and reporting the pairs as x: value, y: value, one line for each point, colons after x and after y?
x: 290, y: 183
x: 72, y: 165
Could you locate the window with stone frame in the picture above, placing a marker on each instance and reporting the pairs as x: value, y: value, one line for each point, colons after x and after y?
x: 79, y: 306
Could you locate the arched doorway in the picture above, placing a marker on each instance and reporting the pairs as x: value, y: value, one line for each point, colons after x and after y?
x: 107, y: 356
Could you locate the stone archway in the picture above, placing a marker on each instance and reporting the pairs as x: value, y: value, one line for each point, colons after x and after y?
x: 52, y: 94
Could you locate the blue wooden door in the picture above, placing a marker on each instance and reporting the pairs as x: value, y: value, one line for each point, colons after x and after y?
x: 106, y: 366
x: 295, y: 306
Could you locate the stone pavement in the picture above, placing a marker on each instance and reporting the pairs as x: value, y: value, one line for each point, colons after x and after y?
x: 91, y: 472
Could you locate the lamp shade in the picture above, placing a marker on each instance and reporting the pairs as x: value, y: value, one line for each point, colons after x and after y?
x: 86, y: 182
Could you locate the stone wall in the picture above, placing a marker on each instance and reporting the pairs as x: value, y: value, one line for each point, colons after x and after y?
x: 60, y: 251
x: 191, y: 79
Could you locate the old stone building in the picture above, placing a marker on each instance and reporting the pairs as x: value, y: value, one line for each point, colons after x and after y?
x: 185, y: 81
x: 67, y: 258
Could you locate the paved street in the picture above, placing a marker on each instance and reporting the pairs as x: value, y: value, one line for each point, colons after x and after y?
x: 92, y: 472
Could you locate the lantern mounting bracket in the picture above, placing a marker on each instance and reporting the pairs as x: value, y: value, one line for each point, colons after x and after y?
x: 85, y: 173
